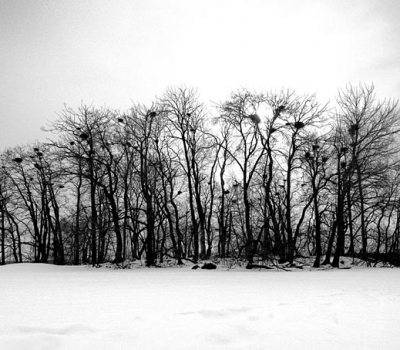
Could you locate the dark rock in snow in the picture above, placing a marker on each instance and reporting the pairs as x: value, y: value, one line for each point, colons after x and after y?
x: 258, y: 266
x: 195, y: 267
x: 209, y: 266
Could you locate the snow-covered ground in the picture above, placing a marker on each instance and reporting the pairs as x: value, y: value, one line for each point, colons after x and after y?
x: 61, y: 307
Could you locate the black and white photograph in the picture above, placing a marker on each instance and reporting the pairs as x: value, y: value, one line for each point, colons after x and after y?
x: 199, y: 174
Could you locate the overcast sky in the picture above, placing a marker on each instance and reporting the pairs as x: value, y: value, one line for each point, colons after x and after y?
x: 114, y: 52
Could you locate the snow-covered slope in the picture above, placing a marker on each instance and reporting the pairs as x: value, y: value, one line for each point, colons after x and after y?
x: 60, y: 307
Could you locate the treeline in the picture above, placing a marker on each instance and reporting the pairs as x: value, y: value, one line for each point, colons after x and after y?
x: 259, y: 175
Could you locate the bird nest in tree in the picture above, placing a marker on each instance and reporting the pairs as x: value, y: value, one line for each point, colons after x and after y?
x: 299, y: 125
x: 353, y: 128
x: 255, y: 118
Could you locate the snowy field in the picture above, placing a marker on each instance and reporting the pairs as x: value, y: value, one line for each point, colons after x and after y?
x: 64, y: 307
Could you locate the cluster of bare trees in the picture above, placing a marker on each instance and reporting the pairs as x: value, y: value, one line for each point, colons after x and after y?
x: 263, y: 174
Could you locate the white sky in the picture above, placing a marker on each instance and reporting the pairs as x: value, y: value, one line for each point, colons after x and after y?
x: 115, y: 52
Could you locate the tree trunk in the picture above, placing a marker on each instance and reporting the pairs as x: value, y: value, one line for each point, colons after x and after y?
x: 250, y: 249
x: 289, y: 230
x: 93, y: 227
x: 77, y: 222
x: 150, y: 259
x: 318, y: 248
x: 327, y: 260
x: 3, y: 233
x: 362, y: 214
x: 350, y: 251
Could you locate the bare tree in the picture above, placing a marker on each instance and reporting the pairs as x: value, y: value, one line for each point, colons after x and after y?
x: 185, y: 123
x: 371, y: 127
